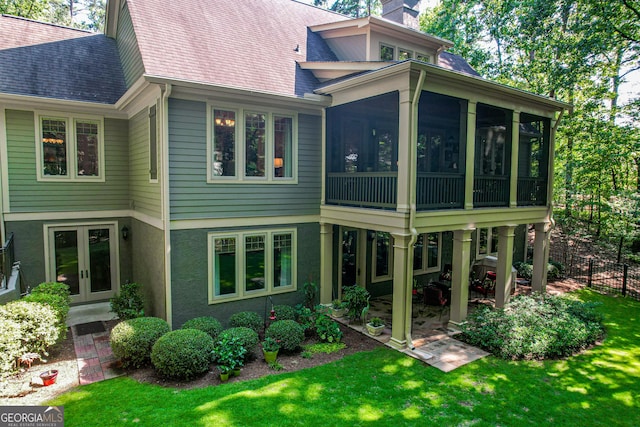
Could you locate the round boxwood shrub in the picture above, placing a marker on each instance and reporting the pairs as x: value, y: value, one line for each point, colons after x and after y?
x: 182, y: 354
x: 247, y: 319
x: 534, y: 327
x: 128, y: 303
x: 53, y: 288
x: 288, y: 333
x: 38, y: 324
x: 207, y: 324
x: 247, y: 337
x: 132, y: 340
x: 285, y: 312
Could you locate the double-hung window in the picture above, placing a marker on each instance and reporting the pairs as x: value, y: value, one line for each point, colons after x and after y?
x: 69, y: 147
x: 251, y: 145
x: 486, y: 242
x: 251, y: 263
x: 427, y: 253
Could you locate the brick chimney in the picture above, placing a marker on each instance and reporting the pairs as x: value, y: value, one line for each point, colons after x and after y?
x: 404, y: 12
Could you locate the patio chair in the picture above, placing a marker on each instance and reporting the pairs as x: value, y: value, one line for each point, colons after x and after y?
x: 433, y: 296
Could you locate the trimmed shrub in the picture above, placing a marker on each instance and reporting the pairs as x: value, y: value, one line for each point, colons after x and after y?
x: 182, y: 354
x: 534, y: 327
x: 288, y: 333
x: 247, y: 337
x: 356, y: 299
x: 11, y: 346
x: 285, y: 312
x: 132, y: 340
x: 207, y: 324
x: 58, y: 303
x: 247, y: 319
x: 128, y: 303
x: 38, y: 324
x: 53, y: 288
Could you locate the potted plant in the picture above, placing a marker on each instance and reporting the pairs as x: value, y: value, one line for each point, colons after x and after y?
x: 229, y: 354
x: 338, y: 308
x: 49, y: 377
x: 375, y: 326
x: 356, y: 299
x: 270, y: 349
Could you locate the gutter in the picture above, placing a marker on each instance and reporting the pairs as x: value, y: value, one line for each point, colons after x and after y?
x: 413, y: 152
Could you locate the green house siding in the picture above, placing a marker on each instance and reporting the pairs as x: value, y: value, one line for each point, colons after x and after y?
x: 130, y: 57
x: 145, y: 196
x: 189, y: 271
x: 27, y: 194
x: 192, y: 197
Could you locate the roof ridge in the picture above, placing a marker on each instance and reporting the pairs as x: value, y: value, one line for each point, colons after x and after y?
x: 21, y: 18
x: 323, y: 9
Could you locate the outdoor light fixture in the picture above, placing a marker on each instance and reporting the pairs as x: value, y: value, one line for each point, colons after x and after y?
x: 125, y: 232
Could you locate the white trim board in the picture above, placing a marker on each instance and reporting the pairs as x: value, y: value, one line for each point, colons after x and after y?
x: 193, y: 224
x: 83, y: 215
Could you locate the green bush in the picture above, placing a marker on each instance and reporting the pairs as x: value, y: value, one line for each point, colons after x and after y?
x: 132, y: 340
x: 247, y: 337
x: 207, y: 324
x: 305, y: 317
x: 247, y: 319
x: 356, y: 299
x: 182, y: 354
x: 285, y: 312
x: 229, y: 353
x: 53, y: 288
x: 525, y: 270
x: 327, y: 329
x: 11, y: 346
x: 59, y: 304
x: 288, y: 333
x: 534, y: 327
x: 38, y: 324
x: 128, y: 303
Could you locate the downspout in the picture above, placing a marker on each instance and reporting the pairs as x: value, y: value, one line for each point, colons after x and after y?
x: 166, y: 224
x: 413, y: 152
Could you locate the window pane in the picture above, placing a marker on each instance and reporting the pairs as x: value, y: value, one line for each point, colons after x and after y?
x: 54, y: 147
x: 494, y: 240
x: 255, y: 133
x: 383, y: 247
x: 283, y: 135
x: 254, y: 263
x: 386, y: 53
x: 66, y: 252
x: 87, y: 143
x: 423, y: 58
x: 432, y: 249
x: 225, y: 266
x: 404, y: 54
x: 482, y: 241
x: 224, y: 143
x: 100, y: 259
x: 282, y: 260
x: 153, y: 144
x: 418, y: 253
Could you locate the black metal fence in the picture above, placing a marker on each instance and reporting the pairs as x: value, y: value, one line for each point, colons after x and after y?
x: 603, y: 276
x: 6, y: 261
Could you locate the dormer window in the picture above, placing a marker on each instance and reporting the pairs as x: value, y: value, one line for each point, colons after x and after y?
x: 404, y: 54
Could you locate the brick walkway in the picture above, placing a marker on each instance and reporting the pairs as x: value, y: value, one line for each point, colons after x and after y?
x: 96, y: 362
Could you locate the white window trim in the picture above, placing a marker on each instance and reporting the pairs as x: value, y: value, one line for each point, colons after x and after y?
x: 489, y: 237
x: 409, y: 51
x: 429, y: 57
x: 72, y: 147
x: 269, y: 289
x: 240, y: 167
x: 395, y: 51
x: 374, y: 256
x: 425, y: 252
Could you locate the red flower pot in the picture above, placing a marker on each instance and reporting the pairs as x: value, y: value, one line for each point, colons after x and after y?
x: 49, y: 377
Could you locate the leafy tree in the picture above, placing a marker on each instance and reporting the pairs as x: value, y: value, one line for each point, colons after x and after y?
x: 354, y: 8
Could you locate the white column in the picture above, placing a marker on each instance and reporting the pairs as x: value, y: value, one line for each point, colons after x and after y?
x: 460, y: 276
x: 504, y: 276
x: 401, y: 291
x: 540, y: 257
x: 470, y: 155
x: 404, y: 146
x: 326, y: 263
x: 515, y: 146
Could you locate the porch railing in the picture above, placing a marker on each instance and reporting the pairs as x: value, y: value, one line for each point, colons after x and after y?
x: 490, y: 191
x: 439, y: 191
x: 532, y: 191
x: 8, y: 258
x: 368, y: 189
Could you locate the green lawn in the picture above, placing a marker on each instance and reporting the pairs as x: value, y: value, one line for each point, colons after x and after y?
x: 384, y: 387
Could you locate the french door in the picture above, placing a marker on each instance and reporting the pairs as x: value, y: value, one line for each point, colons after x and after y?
x: 85, y: 258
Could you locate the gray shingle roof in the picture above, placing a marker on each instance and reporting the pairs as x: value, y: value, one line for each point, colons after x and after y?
x: 50, y: 61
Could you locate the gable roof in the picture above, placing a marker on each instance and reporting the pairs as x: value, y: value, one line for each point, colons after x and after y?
x: 252, y: 45
x: 45, y: 60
